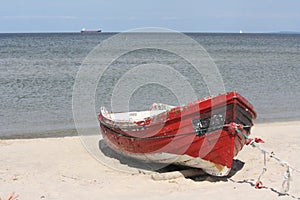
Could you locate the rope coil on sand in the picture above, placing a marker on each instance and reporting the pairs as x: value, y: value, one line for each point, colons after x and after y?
x: 255, y: 144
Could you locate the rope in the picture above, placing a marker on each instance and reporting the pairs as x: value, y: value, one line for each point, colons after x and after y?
x: 287, y: 174
x: 286, y: 181
x: 259, y: 184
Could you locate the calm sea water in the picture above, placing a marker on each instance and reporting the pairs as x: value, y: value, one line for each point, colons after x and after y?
x: 37, y: 74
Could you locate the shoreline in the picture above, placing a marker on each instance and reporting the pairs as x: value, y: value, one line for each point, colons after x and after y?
x: 72, y: 132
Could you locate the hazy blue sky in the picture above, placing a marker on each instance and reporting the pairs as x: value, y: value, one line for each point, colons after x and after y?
x: 121, y: 15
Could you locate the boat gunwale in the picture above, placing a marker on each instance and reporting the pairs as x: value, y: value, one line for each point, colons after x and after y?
x: 181, y: 112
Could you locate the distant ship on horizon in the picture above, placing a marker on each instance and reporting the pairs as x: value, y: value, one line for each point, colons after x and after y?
x: 84, y: 30
x: 241, y: 31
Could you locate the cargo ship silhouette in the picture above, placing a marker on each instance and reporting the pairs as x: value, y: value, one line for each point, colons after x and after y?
x: 84, y: 30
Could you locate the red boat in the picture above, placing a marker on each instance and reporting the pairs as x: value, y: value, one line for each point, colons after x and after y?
x: 201, y: 134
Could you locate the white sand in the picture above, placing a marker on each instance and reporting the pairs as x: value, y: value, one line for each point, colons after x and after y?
x: 61, y: 168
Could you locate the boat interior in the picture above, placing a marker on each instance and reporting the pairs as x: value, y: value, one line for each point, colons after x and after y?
x: 155, y: 109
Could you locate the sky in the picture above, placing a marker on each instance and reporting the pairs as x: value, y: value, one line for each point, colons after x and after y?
x: 123, y: 15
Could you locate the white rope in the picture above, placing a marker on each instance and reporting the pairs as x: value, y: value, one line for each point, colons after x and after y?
x: 286, y: 181
x: 287, y: 174
x: 258, y: 182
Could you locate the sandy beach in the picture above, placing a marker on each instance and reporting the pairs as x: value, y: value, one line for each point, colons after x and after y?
x: 61, y: 168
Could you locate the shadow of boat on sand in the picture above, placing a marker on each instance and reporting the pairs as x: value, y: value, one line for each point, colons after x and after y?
x: 152, y: 167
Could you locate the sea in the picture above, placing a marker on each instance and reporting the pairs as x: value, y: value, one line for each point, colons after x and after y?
x: 38, y: 72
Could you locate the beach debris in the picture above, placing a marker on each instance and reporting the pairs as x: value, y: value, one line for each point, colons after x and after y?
x: 12, y: 196
x: 255, y: 143
x: 177, y: 174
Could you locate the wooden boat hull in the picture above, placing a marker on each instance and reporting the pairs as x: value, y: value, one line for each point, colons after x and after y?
x: 199, y: 135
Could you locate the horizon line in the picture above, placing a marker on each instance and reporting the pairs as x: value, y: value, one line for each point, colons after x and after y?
x: 237, y: 32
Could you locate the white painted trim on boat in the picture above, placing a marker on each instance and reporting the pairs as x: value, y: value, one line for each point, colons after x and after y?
x: 185, y: 160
